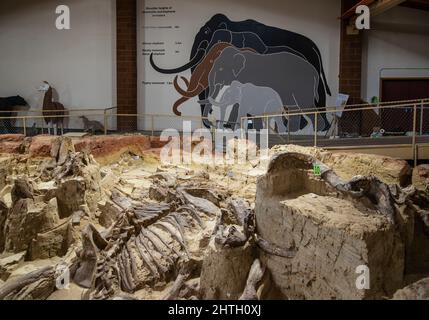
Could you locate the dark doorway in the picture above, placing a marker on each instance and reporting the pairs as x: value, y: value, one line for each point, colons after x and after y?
x: 401, y: 119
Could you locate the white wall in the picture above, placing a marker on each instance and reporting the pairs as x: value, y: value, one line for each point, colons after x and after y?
x: 79, y: 63
x: 315, y: 19
x: 399, y: 38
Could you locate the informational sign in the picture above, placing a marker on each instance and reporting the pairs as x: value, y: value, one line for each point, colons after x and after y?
x: 316, y: 170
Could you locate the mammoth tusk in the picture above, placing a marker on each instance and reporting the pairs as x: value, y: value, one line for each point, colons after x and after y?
x: 195, y: 60
x: 213, y: 101
x: 187, y: 94
x: 186, y: 81
x: 177, y: 104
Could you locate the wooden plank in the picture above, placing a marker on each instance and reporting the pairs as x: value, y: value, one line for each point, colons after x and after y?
x: 383, y: 5
x: 352, y: 11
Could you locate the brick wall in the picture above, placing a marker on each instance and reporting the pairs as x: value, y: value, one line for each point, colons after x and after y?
x: 126, y: 50
x: 351, y: 75
x: 350, y: 59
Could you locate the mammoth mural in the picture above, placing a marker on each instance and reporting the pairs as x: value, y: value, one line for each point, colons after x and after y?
x: 253, y: 35
x: 252, y: 101
x: 199, y: 79
x: 293, y: 78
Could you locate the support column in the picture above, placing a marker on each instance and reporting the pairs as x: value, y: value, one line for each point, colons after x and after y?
x: 350, y: 58
x: 126, y: 53
x: 350, y: 73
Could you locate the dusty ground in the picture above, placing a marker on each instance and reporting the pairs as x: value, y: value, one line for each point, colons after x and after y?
x: 126, y: 171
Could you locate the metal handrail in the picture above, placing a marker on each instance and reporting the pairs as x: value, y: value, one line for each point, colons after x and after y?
x: 315, y: 111
x: 65, y: 110
x: 415, y: 105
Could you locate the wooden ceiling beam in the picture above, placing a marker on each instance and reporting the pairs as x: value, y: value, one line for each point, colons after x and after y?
x: 376, y: 8
x: 352, y: 11
x: 416, y: 4
x: 383, y: 5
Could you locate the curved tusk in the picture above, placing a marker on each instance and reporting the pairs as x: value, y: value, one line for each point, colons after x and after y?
x: 187, y: 94
x: 195, y: 60
x: 186, y: 81
x: 177, y: 104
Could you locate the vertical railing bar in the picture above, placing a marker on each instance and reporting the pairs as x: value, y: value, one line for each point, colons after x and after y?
x: 105, y: 122
x: 315, y: 129
x: 24, y: 124
x: 421, y: 119
x: 152, y: 125
x: 414, y: 135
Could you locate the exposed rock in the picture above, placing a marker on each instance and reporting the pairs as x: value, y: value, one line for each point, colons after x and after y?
x: 11, y: 143
x: 22, y: 189
x: 158, y: 193
x: 417, y: 266
x: 54, y: 242
x: 256, y: 274
x: 76, y: 217
x: 65, y: 149
x: 25, y: 220
x: 41, y: 146
x: 224, y: 271
x: 37, y: 285
x: 6, y: 196
x: 108, y: 149
x: 331, y: 236
x: 415, y: 291
x: 388, y: 170
x: 348, y: 165
x: 165, y: 178
x: 92, y: 243
x: 204, y: 193
x: 201, y: 204
x: 243, y: 150
x: 47, y: 189
x: 109, y: 181
x: 189, y: 232
x: 3, y: 177
x: 421, y: 177
x: 109, y: 213
x: 10, y: 263
x: 3, y: 216
x: 239, y: 207
x: 70, y: 196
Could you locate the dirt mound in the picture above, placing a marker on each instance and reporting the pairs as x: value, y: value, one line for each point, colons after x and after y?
x: 348, y: 165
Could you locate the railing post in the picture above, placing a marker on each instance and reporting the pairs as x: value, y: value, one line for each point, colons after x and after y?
x: 152, y: 125
x: 421, y: 119
x: 414, y: 135
x: 241, y: 128
x: 105, y: 122
x: 24, y: 125
x: 315, y: 129
x: 288, y: 127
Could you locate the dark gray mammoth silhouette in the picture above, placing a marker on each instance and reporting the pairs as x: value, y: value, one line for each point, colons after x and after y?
x: 252, y: 101
x: 292, y: 77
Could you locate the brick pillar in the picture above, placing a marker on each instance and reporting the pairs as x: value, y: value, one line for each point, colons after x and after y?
x: 126, y: 65
x: 350, y: 73
x: 350, y: 59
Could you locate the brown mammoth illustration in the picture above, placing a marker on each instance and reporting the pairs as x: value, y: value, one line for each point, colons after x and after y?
x: 200, y: 77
